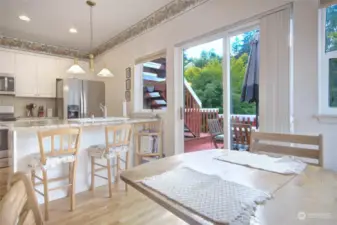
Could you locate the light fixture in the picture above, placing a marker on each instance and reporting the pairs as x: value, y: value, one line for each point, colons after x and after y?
x: 75, y: 68
x: 24, y: 18
x: 104, y: 72
x: 73, y: 30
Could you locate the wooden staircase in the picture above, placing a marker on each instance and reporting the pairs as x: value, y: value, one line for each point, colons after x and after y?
x: 155, y: 96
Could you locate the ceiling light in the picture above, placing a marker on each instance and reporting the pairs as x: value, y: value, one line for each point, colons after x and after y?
x: 24, y: 18
x: 152, y: 65
x: 75, y: 68
x: 73, y: 30
x: 105, y: 73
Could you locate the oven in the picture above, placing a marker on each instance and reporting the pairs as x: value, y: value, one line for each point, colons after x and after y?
x: 3, y: 147
x: 7, y: 84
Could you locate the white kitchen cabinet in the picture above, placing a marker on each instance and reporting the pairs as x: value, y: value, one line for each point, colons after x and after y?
x: 26, y: 75
x: 46, y: 77
x: 7, y: 62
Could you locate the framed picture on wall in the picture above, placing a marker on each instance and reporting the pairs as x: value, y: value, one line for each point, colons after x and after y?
x: 128, y: 73
x: 127, y: 96
x: 128, y: 84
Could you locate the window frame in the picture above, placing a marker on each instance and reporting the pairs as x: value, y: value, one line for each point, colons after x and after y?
x: 324, y: 58
x: 138, y: 103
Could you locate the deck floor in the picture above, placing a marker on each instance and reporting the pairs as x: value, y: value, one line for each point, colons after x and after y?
x: 204, y: 142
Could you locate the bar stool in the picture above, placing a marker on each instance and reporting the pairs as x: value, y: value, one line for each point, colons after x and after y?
x: 117, y: 141
x: 64, y: 152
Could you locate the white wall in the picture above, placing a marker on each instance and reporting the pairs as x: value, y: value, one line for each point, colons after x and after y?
x: 306, y: 85
x: 214, y: 15
x: 210, y: 16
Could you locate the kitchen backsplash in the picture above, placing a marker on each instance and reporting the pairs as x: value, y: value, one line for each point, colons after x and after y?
x: 21, y: 102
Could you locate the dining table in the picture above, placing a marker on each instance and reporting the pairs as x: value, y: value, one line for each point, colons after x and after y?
x: 308, y: 198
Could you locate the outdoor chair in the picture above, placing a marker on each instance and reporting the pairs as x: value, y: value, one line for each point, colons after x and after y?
x: 216, y: 131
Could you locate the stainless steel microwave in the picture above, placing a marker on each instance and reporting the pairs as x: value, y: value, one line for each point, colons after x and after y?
x: 7, y: 84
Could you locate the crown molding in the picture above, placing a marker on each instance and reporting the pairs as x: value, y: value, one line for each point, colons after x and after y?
x: 164, y: 14
x: 30, y: 46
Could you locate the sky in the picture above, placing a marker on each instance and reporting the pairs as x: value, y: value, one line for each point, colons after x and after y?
x: 194, y: 52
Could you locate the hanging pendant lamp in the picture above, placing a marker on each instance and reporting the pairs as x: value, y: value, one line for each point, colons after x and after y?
x: 76, y: 68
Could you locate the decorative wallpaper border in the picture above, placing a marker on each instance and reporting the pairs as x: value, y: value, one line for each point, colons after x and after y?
x: 171, y: 10
x: 19, y: 44
x: 160, y: 16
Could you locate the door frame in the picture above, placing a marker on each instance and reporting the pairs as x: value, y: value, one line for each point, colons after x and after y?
x: 179, y: 84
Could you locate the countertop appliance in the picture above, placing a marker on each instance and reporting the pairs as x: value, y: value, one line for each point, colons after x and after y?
x: 7, y: 84
x: 77, y: 98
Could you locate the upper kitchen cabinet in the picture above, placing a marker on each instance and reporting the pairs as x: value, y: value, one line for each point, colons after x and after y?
x: 26, y: 75
x: 7, y: 62
x: 47, y: 72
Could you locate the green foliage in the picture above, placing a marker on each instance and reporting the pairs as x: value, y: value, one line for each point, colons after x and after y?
x: 205, y: 76
x: 331, y: 29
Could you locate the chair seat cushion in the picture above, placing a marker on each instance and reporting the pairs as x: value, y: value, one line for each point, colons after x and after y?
x: 219, y: 137
x: 35, y: 161
x: 98, y: 151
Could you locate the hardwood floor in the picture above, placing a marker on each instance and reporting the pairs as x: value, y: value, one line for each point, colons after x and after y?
x: 123, y: 208
x: 4, y: 175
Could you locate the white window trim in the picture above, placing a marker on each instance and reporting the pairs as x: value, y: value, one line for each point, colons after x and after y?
x: 323, y: 79
x: 138, y: 94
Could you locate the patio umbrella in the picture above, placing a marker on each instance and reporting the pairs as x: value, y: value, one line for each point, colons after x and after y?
x: 250, y: 87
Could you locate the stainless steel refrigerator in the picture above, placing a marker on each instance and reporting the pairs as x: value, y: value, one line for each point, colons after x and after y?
x: 77, y: 98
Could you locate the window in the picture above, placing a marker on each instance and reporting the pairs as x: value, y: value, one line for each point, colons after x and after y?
x: 328, y: 61
x: 151, y: 92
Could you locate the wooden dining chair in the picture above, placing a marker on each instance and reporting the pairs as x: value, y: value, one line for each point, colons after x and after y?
x: 57, y: 146
x: 306, y: 147
x: 241, y: 136
x: 117, y: 142
x: 19, y: 206
x: 216, y: 131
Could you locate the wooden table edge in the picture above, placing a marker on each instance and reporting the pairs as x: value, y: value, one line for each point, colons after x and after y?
x: 153, y: 196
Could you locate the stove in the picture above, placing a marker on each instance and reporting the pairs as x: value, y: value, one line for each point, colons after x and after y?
x: 7, y: 113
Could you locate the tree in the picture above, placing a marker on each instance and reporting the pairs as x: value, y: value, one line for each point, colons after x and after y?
x: 205, y: 76
x: 331, y: 29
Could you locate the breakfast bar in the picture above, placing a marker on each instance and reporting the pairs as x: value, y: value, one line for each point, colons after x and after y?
x: 24, y: 143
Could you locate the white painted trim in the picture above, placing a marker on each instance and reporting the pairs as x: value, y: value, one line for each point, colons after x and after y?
x: 226, y: 90
x: 326, y: 119
x: 179, y: 101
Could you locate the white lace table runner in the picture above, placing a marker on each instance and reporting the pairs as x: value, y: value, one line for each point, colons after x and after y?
x: 218, y: 200
x: 284, y: 165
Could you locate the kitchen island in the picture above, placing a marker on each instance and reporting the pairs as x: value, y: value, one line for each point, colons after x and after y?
x: 24, y: 143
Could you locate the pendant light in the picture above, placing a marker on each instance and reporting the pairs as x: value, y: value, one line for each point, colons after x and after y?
x: 76, y: 68
x: 104, y: 72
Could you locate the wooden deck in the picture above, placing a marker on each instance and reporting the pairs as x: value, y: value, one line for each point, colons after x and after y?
x: 204, y: 142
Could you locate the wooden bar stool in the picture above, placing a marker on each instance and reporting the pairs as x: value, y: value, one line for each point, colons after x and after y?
x: 117, y: 141
x: 63, y: 150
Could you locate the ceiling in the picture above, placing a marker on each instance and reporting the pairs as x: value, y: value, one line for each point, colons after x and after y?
x: 52, y: 19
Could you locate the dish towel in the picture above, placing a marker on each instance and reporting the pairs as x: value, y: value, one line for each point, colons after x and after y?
x: 217, y: 200
x: 283, y: 165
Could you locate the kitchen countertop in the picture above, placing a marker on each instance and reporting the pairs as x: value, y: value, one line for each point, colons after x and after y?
x: 58, y: 123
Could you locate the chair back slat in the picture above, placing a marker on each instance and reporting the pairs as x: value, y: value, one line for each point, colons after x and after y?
x: 117, y: 135
x: 303, y: 146
x: 65, y: 147
x: 214, y: 127
x: 19, y: 205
